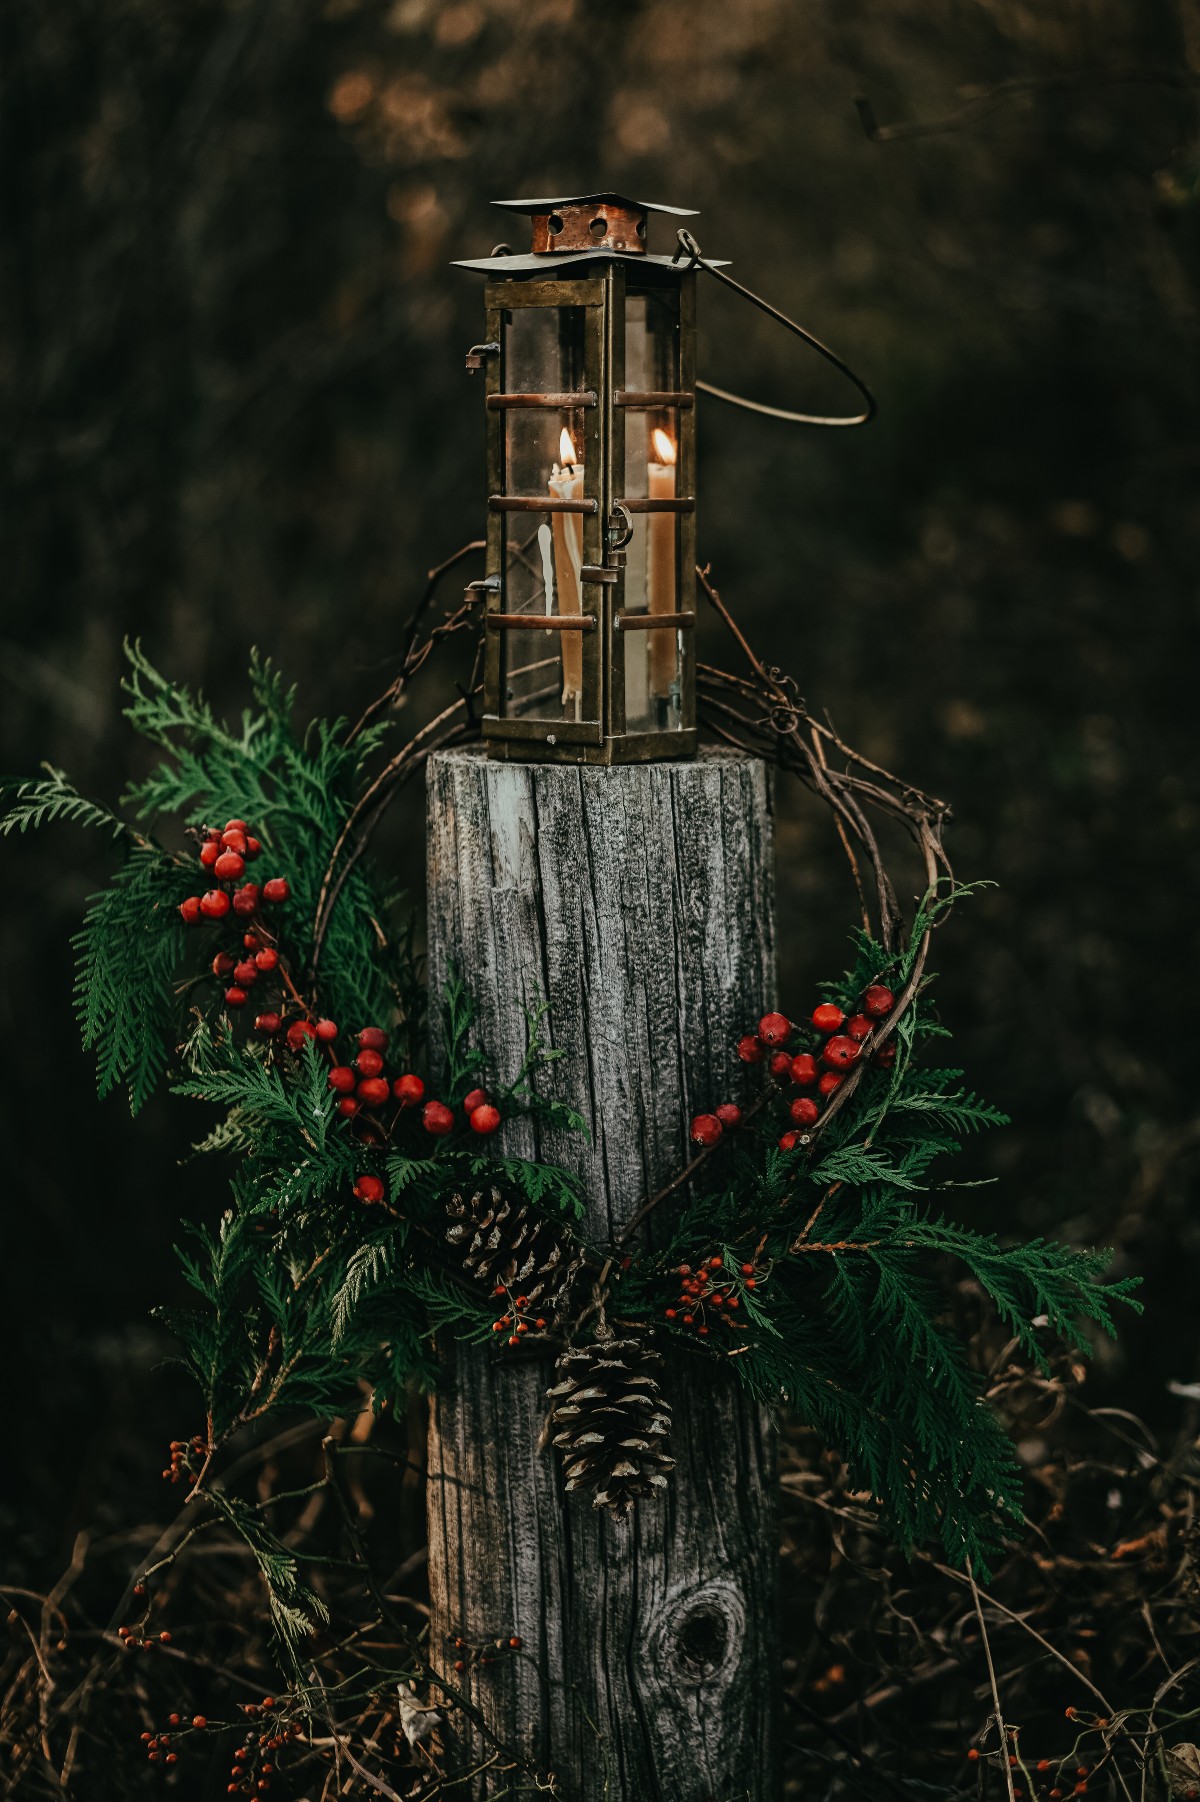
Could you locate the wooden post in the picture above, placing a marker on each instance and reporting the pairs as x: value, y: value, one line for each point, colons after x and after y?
x: 636, y: 901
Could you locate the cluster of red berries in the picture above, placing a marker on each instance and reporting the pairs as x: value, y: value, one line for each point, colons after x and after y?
x: 134, y: 1640
x: 708, y: 1129
x: 179, y: 1470
x: 485, y: 1652
x: 711, y: 1285
x: 158, y: 1746
x: 838, y: 1045
x: 1065, y: 1781
x: 226, y: 852
x: 253, y: 1765
x: 520, y: 1322
x: 365, y: 1084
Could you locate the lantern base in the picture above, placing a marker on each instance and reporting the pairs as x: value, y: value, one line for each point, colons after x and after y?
x: 544, y: 745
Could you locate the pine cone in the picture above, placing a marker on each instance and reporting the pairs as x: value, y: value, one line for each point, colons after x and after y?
x: 610, y: 1422
x: 502, y: 1241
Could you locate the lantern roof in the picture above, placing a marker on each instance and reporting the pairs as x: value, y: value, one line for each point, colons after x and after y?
x: 580, y: 228
x: 620, y: 200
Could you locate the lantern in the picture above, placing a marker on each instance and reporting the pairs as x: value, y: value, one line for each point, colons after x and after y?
x: 589, y: 356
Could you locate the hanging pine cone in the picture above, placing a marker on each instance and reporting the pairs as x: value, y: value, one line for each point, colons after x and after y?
x: 610, y: 1422
x: 506, y: 1244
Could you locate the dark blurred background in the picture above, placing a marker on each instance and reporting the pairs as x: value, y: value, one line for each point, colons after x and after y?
x: 232, y: 380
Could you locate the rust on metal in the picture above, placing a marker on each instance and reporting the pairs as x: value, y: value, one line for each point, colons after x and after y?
x: 541, y: 622
x: 536, y: 503
x: 610, y: 224
x: 497, y: 402
x: 652, y: 622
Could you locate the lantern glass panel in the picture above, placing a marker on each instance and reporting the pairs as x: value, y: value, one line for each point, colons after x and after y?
x: 653, y: 659
x: 544, y: 457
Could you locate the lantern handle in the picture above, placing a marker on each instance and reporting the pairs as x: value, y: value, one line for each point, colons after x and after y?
x: 689, y: 247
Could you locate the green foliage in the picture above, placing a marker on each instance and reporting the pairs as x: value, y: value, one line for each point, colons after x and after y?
x: 38, y: 803
x: 127, y: 955
x: 847, y: 1319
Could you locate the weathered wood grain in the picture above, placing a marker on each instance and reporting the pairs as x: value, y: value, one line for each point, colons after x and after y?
x: 638, y: 902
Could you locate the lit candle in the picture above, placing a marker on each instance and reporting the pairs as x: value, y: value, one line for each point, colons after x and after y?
x: 660, y: 564
x: 566, y: 484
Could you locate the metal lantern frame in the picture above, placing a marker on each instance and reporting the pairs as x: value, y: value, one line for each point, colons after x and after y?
x: 608, y: 269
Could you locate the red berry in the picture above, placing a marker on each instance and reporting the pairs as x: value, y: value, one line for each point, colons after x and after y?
x: 485, y: 1119
x: 475, y: 1099
x: 277, y: 889
x: 858, y: 1026
x: 749, y: 1049
x: 372, y: 1038
x: 774, y: 1029
x: 252, y: 846
x: 885, y: 1057
x: 841, y: 1052
x: 234, y: 839
x: 215, y: 904
x: 268, y: 957
x: 780, y: 1066
x: 246, y: 974
x: 223, y: 964
x: 235, y: 997
x: 326, y: 1030
x: 268, y: 1023
x: 878, y: 1001
x: 368, y: 1063
x: 437, y: 1119
x: 236, y: 826
x: 408, y: 1090
x: 251, y: 940
x: 199, y: 1722
x: 804, y: 1111
x: 669, y: 1313
x: 246, y: 899
x: 190, y: 911
x: 348, y: 1107
x: 209, y: 853
x: 729, y: 1114
x: 229, y: 866
x: 298, y: 1033
x: 803, y: 1070
x: 342, y: 1079
x: 373, y: 1091
x: 706, y: 1129
x: 828, y: 1017
x: 829, y: 1082
x: 368, y: 1188
x: 789, y: 1141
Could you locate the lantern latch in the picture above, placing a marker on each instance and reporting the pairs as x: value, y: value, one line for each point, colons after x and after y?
x: 477, y: 355
x: 619, y: 531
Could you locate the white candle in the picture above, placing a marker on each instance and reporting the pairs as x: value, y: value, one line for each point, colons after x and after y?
x: 566, y: 484
x: 660, y: 564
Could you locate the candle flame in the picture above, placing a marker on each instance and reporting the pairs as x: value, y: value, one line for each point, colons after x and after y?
x: 566, y: 448
x: 664, y: 450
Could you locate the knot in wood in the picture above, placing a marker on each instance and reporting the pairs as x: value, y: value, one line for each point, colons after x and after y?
x: 700, y: 1641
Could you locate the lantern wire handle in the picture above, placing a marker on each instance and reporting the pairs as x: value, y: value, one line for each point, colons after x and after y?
x: 689, y: 247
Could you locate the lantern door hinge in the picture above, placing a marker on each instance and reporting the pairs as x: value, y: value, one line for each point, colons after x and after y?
x: 477, y: 355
